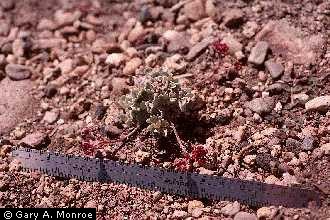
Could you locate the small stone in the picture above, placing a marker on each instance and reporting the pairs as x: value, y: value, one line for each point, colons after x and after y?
x: 66, y: 18
x: 289, y: 180
x: 233, y: 18
x: 271, y: 179
x: 178, y: 214
x: 7, y: 4
x: 141, y: 156
x: 308, y: 143
x: 261, y: 105
x: 205, y: 171
x: 275, y: 69
x: 119, y: 85
x: 194, y: 10
x: 194, y: 204
x: 177, y: 41
x: 231, y: 209
x: 49, y: 43
x: 157, y: 196
x: 115, y: 59
x: 100, y: 111
x: 249, y: 159
x: 258, y: 53
x: 17, y: 72
x: 233, y: 44
x: 245, y: 216
x: 15, y: 165
x: 46, y: 24
x: 50, y: 117
x: 301, y: 97
x: 210, y: 8
x: 326, y: 148
x: 132, y: 65
x: 265, y: 213
x: 4, y: 28
x: 136, y: 33
x: 90, y: 204
x: 145, y: 15
x: 50, y: 91
x: 199, y: 48
x: 250, y: 29
x: 321, y: 103
x: 196, y: 213
x: 66, y: 66
x: 36, y: 140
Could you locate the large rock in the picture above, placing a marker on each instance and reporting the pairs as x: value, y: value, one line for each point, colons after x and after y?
x: 17, y: 72
x: 321, y: 103
x: 37, y: 140
x: 291, y: 43
x: 16, y: 103
x: 233, y: 18
x: 275, y: 69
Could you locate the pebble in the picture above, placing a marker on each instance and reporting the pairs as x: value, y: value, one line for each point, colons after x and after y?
x: 177, y: 41
x: 199, y: 47
x: 15, y: 165
x: 321, y: 103
x: 233, y: 18
x: 265, y: 213
x: 210, y: 8
x: 115, y: 59
x: 145, y: 15
x: 289, y: 180
x: 250, y: 29
x: 50, y: 117
x: 261, y: 105
x: 301, y: 97
x: 37, y: 140
x: 90, y: 204
x: 136, y: 33
x: 66, y: 18
x: 132, y: 65
x: 17, y: 72
x: 233, y: 44
x: 178, y: 214
x: 326, y: 148
x: 8, y: 4
x: 4, y: 28
x: 194, y: 10
x: 46, y: 24
x: 231, y: 209
x: 194, y: 204
x: 245, y: 216
x: 275, y: 69
x: 308, y: 143
x: 49, y: 43
x: 258, y: 53
x: 271, y: 179
x: 66, y: 66
x: 249, y: 159
x: 141, y: 156
x: 119, y: 85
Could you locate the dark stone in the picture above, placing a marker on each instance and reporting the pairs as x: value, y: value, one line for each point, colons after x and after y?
x: 292, y: 145
x: 308, y: 143
x: 145, y: 15
x: 267, y: 162
x: 100, y: 111
x: 111, y: 131
x: 50, y: 91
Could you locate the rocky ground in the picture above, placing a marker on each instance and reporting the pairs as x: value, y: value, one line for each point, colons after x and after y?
x: 64, y: 64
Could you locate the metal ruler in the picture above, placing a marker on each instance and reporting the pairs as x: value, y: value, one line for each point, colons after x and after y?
x: 167, y: 181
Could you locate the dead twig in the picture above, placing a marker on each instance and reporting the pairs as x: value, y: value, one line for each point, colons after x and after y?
x: 124, y: 139
x: 183, y: 148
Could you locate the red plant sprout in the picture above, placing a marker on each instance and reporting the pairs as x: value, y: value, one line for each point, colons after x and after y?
x: 220, y: 48
x: 198, y: 155
x: 92, y: 140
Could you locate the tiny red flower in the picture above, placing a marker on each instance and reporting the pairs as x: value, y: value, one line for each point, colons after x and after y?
x: 220, y: 48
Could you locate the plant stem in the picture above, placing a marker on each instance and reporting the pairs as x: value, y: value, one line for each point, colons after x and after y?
x: 183, y: 148
x: 124, y: 139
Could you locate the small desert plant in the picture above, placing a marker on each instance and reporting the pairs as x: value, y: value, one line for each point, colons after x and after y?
x: 157, y: 103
